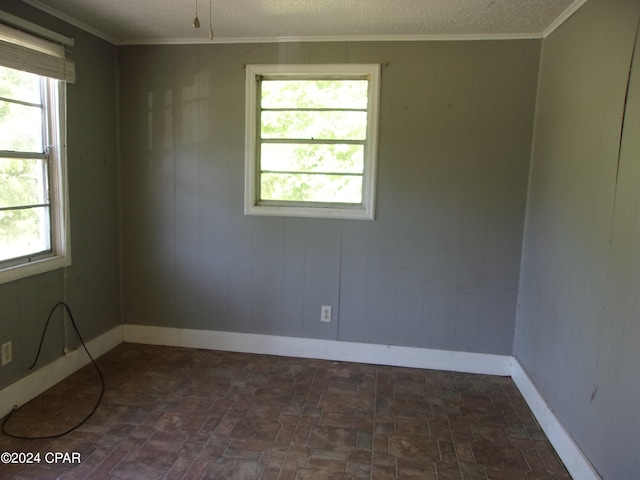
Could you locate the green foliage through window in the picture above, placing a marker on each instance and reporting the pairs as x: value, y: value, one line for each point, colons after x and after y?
x: 312, y: 140
x: 24, y: 198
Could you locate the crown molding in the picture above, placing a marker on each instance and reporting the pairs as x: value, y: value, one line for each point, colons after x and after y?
x: 347, y: 38
x: 307, y: 39
x: 563, y: 17
x: 72, y: 21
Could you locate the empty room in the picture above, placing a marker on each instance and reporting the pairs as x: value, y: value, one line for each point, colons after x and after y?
x: 301, y: 240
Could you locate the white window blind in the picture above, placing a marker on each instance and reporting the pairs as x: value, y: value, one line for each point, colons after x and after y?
x: 22, y: 51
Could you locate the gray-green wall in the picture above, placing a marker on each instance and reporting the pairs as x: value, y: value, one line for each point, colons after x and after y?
x: 91, y: 286
x: 578, y: 323
x: 438, y: 268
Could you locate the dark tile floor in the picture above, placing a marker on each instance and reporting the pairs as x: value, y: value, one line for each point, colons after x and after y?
x: 175, y: 413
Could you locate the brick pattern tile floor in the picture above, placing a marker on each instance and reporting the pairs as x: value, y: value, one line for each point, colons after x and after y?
x: 175, y: 413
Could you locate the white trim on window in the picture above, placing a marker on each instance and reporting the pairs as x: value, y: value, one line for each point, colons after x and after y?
x: 60, y: 255
x: 361, y: 211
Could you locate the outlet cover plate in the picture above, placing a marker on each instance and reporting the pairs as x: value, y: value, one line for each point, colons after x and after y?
x: 325, y: 314
x: 7, y: 354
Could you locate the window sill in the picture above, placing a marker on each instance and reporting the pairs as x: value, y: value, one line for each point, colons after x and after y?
x: 310, y: 212
x: 37, y: 267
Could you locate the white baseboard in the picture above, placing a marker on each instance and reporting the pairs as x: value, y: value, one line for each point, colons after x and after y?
x: 569, y: 452
x: 577, y: 464
x: 321, y: 349
x: 35, y: 383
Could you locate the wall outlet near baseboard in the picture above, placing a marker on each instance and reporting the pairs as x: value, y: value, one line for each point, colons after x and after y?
x: 325, y: 314
x: 7, y: 354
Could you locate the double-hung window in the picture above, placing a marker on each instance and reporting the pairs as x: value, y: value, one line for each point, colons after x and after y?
x: 34, y: 227
x: 311, y: 140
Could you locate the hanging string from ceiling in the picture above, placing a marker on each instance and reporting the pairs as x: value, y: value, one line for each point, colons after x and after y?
x: 196, y: 20
x: 210, y: 28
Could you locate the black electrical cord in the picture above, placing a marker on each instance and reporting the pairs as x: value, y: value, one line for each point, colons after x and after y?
x: 102, y: 385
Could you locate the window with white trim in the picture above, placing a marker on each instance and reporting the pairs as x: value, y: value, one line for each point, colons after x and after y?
x: 311, y: 140
x: 34, y: 225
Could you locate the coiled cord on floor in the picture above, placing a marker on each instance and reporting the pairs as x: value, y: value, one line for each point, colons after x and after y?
x: 102, y: 384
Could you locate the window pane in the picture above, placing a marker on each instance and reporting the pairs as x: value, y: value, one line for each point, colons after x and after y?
x: 20, y: 128
x: 18, y: 85
x: 24, y: 232
x: 311, y: 188
x: 340, y: 158
x: 24, y: 182
x: 314, y: 125
x: 314, y: 94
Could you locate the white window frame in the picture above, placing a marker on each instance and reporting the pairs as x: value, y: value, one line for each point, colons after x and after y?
x: 60, y: 254
x: 252, y: 205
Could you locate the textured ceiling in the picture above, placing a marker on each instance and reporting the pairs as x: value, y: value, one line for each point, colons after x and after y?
x: 170, y: 21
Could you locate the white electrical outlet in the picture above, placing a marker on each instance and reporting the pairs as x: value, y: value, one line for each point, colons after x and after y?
x: 7, y: 354
x: 325, y: 314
